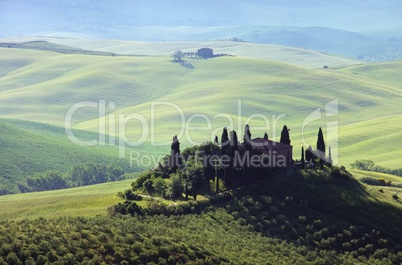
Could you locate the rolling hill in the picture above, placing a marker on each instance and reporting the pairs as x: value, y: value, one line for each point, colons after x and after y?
x: 298, y: 56
x: 366, y: 93
x: 307, y: 217
x: 368, y: 31
x: 28, y: 148
x: 89, y: 83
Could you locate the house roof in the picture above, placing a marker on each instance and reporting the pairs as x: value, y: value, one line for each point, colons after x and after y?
x: 264, y: 144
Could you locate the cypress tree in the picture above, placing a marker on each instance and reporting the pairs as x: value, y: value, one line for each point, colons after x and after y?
x: 285, y: 139
x: 216, y: 140
x: 302, y: 157
x: 265, y: 136
x: 234, y: 143
x: 208, y: 170
x: 224, y: 141
x: 234, y: 148
x: 321, y: 144
x: 248, y: 149
x: 175, y: 154
x: 224, y: 152
x: 247, y: 135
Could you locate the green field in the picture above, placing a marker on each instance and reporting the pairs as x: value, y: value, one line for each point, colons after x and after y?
x: 28, y: 148
x: 290, y: 55
x: 382, y: 193
x: 87, y: 118
x: 42, y: 86
x: 83, y: 201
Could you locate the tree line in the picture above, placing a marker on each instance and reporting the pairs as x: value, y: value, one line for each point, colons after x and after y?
x: 234, y: 39
x: 369, y: 165
x: 76, y: 176
x: 178, y: 55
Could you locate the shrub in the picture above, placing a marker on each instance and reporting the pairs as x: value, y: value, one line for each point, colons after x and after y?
x: 381, y: 181
x: 139, y: 182
x: 340, y: 173
x: 133, y: 208
x: 129, y: 195
x: 318, y: 224
x: 12, y: 258
x: 289, y: 199
x: 302, y: 219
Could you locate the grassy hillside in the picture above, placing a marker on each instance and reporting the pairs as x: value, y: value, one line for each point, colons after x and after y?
x: 367, y: 116
x: 28, y: 148
x: 47, y: 46
x: 379, y: 191
x: 337, y: 42
x: 82, y: 201
x: 94, y: 200
x: 44, y: 89
x: 298, y: 55
x: 312, y: 217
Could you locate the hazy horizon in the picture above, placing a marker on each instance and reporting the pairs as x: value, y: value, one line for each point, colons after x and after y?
x: 105, y: 19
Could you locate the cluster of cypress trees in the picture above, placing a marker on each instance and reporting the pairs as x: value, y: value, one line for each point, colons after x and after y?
x: 319, y: 154
x: 232, y: 173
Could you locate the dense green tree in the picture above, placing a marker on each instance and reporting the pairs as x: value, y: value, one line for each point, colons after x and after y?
x: 285, y: 138
x: 49, y: 180
x: 93, y: 173
x: 363, y: 164
x: 79, y: 175
x: 216, y: 176
x: 175, y: 187
x: 160, y: 186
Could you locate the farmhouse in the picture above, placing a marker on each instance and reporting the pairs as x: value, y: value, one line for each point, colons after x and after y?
x: 276, y: 151
x: 205, y: 53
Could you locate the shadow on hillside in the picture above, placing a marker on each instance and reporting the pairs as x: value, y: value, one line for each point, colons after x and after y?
x: 339, y: 194
x: 313, y: 207
x: 185, y: 64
